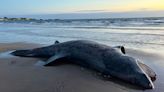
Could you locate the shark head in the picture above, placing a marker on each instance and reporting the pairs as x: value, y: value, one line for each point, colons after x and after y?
x: 128, y: 69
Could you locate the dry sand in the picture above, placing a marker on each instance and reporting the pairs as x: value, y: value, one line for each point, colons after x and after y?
x: 22, y: 75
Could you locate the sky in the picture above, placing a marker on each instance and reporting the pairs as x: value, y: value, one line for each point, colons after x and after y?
x: 29, y: 7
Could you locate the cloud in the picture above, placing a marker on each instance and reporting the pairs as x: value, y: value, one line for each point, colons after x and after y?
x: 89, y: 11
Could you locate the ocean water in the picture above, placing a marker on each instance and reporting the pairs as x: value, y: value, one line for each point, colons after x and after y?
x: 137, y: 33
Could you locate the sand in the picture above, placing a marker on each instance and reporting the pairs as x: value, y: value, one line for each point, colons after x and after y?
x: 19, y: 74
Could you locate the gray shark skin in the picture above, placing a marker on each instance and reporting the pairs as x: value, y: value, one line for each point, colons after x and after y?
x: 105, y: 59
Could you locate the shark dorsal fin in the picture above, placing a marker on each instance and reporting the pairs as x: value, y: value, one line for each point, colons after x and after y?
x: 56, y: 42
x: 121, y: 48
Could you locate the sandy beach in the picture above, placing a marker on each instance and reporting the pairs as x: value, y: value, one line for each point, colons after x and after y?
x: 22, y: 75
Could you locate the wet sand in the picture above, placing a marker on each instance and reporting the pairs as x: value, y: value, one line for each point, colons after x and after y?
x: 22, y: 75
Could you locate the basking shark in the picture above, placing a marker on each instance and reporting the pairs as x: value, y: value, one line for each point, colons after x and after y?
x: 105, y: 59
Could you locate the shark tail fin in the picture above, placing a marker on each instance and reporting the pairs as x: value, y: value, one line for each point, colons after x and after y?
x: 23, y: 53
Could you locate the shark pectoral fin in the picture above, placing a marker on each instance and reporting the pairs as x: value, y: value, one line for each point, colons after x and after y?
x: 148, y: 71
x: 54, y: 59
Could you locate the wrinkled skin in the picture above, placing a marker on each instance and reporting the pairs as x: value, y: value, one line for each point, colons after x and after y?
x: 105, y: 59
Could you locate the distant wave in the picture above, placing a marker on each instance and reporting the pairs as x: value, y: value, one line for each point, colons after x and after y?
x: 133, y: 42
x: 122, y: 28
x: 111, y: 40
x: 103, y: 27
x: 97, y: 23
